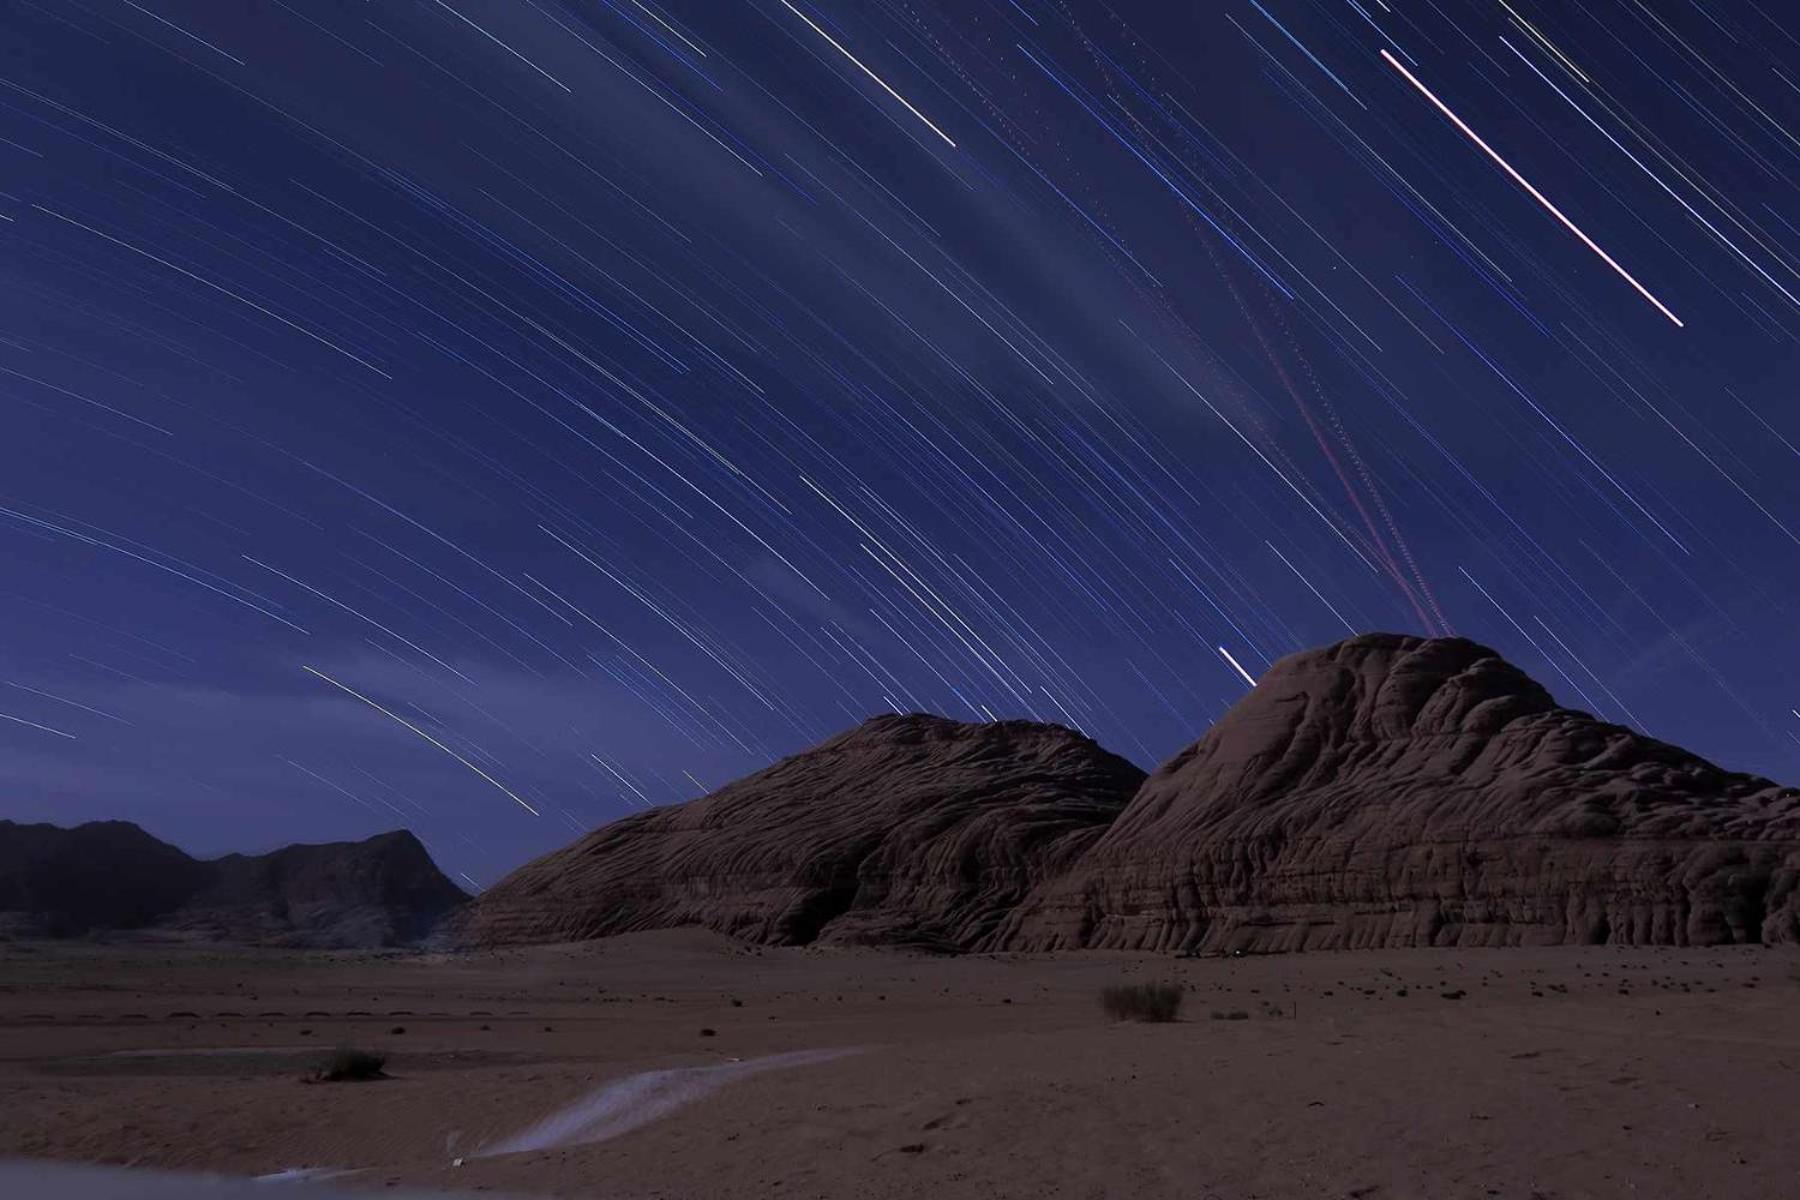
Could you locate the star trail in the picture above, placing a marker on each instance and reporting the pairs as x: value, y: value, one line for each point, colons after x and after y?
x: 497, y: 416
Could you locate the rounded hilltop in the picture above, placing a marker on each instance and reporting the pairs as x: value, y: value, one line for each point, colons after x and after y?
x: 1383, y: 790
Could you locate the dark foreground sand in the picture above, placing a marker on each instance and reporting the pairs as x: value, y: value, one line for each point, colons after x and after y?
x: 1425, y: 1075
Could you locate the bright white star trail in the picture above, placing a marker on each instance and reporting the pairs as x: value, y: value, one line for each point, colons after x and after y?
x: 1529, y: 188
x: 617, y: 398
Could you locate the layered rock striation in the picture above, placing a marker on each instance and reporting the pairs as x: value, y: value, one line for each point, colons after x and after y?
x: 908, y: 830
x: 1399, y: 791
x: 1383, y: 791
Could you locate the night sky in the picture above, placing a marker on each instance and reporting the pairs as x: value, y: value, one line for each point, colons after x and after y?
x: 495, y: 416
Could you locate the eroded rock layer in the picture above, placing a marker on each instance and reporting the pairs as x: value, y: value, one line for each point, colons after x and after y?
x: 908, y: 830
x: 1393, y: 790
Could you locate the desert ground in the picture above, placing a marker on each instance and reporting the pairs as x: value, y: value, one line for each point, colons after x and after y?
x: 683, y: 1064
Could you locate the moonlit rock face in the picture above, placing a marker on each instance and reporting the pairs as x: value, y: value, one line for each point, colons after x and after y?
x: 1394, y: 790
x: 906, y: 830
x: 1383, y: 791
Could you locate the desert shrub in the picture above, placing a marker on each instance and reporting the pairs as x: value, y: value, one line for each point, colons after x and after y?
x: 348, y: 1064
x: 1141, y: 1001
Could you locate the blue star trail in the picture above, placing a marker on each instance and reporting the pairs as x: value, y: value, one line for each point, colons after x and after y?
x: 497, y: 416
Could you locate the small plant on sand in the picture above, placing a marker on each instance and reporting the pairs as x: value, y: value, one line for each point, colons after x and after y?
x: 348, y: 1064
x: 1153, y: 1002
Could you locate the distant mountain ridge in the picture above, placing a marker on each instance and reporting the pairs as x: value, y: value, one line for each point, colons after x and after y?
x: 1383, y: 791
x: 113, y: 877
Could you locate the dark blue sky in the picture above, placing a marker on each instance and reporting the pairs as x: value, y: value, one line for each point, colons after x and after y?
x: 497, y: 415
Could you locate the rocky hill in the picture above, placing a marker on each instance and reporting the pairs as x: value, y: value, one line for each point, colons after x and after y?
x: 111, y: 876
x: 62, y: 882
x: 1384, y: 791
x: 908, y: 830
x: 1397, y: 791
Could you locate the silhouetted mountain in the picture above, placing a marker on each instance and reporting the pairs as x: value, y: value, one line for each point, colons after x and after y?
x: 59, y: 882
x: 112, y: 876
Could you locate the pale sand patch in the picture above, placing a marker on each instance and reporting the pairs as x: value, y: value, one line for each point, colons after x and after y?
x: 74, y: 1181
x: 625, y: 1104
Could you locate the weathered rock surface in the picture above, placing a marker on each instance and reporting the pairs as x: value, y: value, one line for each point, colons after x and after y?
x: 382, y: 891
x: 1385, y: 791
x: 906, y: 830
x: 1391, y: 791
x: 111, y: 876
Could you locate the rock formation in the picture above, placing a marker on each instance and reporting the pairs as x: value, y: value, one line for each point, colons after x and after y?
x: 909, y: 830
x: 1385, y: 791
x: 1397, y: 791
x: 382, y: 891
x: 111, y: 876
x: 57, y: 882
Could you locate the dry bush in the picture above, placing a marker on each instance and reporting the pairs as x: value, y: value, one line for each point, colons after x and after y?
x: 1154, y: 1002
x: 348, y: 1064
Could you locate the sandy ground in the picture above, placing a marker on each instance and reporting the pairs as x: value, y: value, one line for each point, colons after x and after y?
x: 1404, y: 1075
